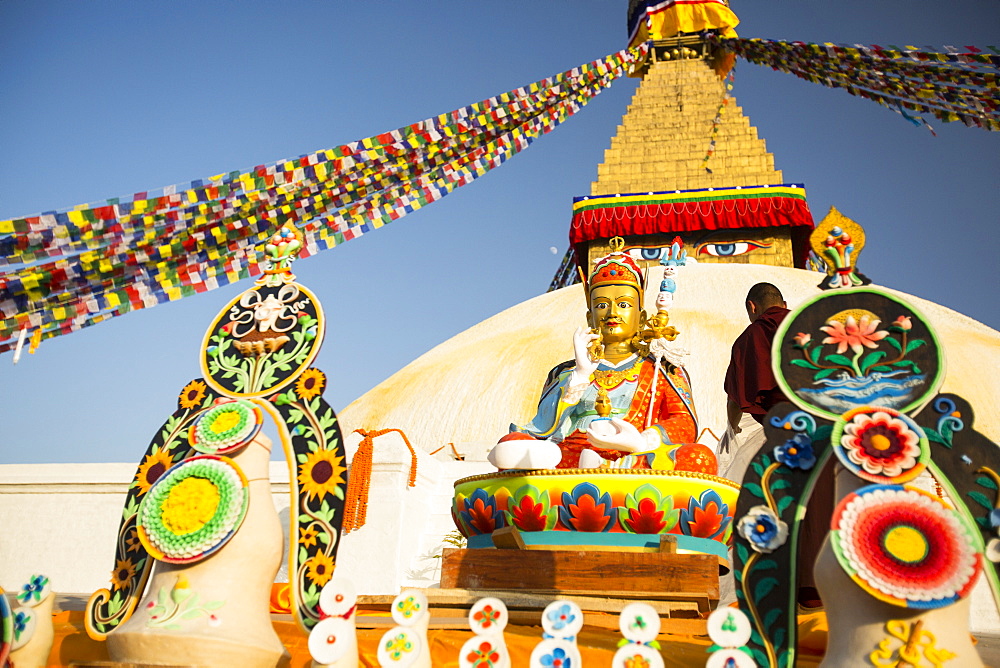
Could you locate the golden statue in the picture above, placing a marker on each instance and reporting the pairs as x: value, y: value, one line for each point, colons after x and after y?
x: 614, y: 400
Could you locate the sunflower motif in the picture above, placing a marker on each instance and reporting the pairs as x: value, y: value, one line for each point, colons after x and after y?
x: 132, y: 540
x: 310, y: 383
x: 307, y: 536
x: 320, y: 474
x: 319, y: 569
x: 155, y: 465
x: 192, y: 395
x: 121, y: 576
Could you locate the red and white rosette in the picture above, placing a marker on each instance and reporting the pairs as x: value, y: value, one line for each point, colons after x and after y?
x: 880, y: 445
x: 905, y: 546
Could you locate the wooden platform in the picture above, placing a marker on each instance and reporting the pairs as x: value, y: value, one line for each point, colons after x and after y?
x: 683, y: 588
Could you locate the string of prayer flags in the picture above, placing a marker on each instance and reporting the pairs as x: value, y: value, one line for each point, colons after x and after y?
x: 62, y: 271
x: 950, y: 84
x: 717, y: 121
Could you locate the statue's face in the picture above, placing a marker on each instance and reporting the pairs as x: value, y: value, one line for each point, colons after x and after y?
x: 616, y: 311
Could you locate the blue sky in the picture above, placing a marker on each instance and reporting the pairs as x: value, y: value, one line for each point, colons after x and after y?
x: 106, y: 98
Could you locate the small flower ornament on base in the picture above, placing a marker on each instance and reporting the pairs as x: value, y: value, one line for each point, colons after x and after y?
x: 729, y: 629
x: 639, y: 624
x: 487, y: 649
x: 31, y: 630
x: 555, y: 653
x: 562, y: 619
x: 561, y: 622
x: 405, y: 645
x: 333, y: 642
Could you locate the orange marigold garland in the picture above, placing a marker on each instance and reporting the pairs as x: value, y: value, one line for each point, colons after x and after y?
x: 358, y: 482
x: 359, y: 479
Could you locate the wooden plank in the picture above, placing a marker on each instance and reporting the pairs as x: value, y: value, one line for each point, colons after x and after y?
x: 508, y: 538
x: 536, y: 601
x: 692, y: 625
x: 596, y: 572
x: 533, y: 598
x: 668, y: 543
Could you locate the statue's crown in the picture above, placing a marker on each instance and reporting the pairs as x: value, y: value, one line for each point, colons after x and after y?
x: 616, y: 268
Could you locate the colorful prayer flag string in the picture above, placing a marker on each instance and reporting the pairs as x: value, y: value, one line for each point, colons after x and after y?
x: 71, y: 269
x: 951, y: 85
x: 717, y: 121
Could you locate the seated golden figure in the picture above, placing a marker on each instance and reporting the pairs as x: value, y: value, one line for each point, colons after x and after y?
x: 613, y: 402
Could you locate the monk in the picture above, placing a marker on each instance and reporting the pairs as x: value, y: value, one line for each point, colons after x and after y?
x: 752, y: 390
x: 750, y: 385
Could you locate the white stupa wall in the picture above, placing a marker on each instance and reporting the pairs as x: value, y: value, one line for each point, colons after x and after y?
x: 62, y: 520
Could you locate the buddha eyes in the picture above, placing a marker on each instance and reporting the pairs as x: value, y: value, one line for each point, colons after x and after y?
x: 729, y: 248
x: 651, y: 254
x: 712, y: 248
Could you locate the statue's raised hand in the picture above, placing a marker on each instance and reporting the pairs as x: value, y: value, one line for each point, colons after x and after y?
x: 616, y: 434
x: 585, y: 365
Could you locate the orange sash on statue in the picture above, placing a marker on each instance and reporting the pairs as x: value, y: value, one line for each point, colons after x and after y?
x: 669, y: 412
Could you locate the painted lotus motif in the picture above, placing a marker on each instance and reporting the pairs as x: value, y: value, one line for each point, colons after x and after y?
x: 634, y: 506
x: 705, y: 517
x: 648, y: 511
x: 479, y: 513
x: 587, y: 509
x: 867, y: 365
x: 530, y: 510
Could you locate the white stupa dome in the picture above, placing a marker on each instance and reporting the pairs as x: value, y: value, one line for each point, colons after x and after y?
x: 470, y: 388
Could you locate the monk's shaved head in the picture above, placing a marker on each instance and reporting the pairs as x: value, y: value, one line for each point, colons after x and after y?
x: 762, y: 297
x: 765, y: 295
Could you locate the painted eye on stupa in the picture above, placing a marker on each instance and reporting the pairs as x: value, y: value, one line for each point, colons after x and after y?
x: 729, y: 248
x: 651, y: 254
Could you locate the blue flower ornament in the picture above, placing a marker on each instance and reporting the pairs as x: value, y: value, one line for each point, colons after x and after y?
x: 34, y: 591
x: 796, y: 452
x: 763, y: 529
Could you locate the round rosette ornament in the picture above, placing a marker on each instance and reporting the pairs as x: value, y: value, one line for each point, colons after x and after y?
x: 488, y: 616
x: 409, y: 607
x: 399, y: 646
x: 226, y: 428
x: 193, y: 509
x: 905, y: 547
x: 880, y: 445
x: 330, y: 639
x: 483, y: 651
x: 636, y: 656
x: 562, y: 619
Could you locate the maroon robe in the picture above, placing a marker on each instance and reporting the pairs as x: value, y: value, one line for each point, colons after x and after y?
x: 751, y: 384
x: 749, y: 380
